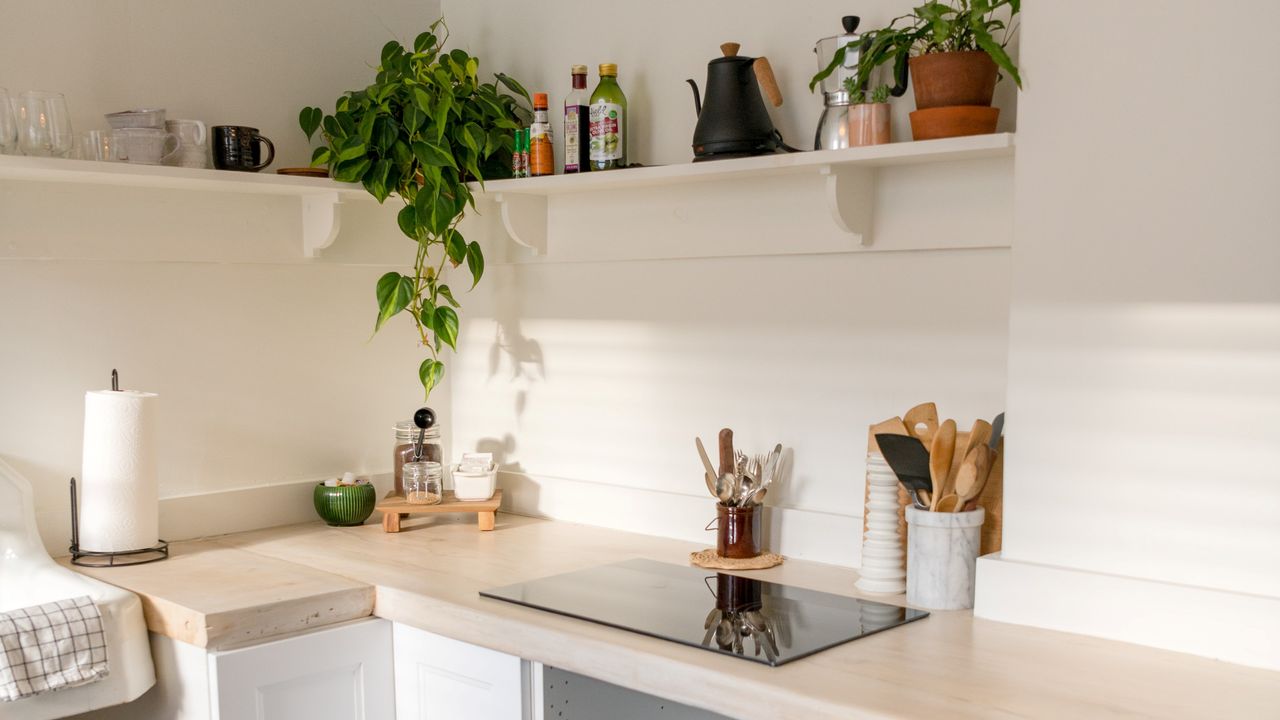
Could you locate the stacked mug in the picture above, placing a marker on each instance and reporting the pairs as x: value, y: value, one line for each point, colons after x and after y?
x: 137, y: 136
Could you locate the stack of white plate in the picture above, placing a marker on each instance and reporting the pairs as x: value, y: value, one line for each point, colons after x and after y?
x: 883, y: 569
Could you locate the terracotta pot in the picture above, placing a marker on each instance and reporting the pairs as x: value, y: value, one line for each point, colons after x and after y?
x: 945, y: 122
x: 869, y: 124
x: 953, y: 78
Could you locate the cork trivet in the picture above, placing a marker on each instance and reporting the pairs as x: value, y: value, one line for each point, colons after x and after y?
x: 712, y: 561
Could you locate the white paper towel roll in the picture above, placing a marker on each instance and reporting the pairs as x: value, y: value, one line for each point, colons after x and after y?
x: 119, y: 484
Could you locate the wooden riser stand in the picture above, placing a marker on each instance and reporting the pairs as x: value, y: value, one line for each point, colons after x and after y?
x: 394, y: 509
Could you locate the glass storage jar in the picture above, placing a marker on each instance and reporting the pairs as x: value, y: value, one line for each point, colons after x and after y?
x: 406, y: 436
x: 423, y: 483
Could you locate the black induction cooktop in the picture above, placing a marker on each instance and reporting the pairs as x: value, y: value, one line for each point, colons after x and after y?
x: 755, y: 620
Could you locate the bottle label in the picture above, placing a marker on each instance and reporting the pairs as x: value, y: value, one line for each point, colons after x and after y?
x: 606, y: 132
x: 571, y: 149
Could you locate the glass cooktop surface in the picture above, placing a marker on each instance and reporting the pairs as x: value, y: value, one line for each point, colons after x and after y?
x: 752, y: 619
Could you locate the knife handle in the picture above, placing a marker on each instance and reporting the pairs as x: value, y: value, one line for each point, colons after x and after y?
x: 727, y: 462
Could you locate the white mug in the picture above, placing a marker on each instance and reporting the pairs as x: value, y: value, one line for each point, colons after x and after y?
x: 145, y: 146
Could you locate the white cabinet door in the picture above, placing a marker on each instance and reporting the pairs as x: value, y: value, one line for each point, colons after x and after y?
x: 438, y: 678
x: 341, y: 673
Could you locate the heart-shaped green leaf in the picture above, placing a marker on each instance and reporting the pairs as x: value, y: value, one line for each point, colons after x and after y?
x: 475, y: 263
x: 446, y: 326
x: 408, y: 220
x: 395, y: 292
x: 429, y: 153
x: 448, y: 295
x: 309, y: 119
x: 456, y: 247
x: 430, y: 372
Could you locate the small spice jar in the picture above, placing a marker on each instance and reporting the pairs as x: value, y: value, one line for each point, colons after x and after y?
x: 406, y: 436
x: 423, y: 483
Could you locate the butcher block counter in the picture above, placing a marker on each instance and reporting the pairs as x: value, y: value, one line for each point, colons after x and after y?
x: 244, y: 588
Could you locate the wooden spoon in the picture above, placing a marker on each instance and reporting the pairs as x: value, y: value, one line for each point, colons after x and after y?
x: 925, y: 414
x: 948, y: 503
x: 941, y: 451
x: 974, y: 470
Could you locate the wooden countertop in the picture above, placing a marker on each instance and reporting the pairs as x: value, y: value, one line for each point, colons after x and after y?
x: 947, y: 665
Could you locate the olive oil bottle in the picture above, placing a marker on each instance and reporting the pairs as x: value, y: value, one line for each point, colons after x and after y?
x: 608, y: 113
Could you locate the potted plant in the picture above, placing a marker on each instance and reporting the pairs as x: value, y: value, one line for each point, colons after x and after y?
x: 424, y: 128
x: 868, y: 115
x: 954, y: 57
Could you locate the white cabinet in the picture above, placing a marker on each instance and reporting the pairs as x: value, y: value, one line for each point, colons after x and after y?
x: 342, y: 673
x: 438, y: 678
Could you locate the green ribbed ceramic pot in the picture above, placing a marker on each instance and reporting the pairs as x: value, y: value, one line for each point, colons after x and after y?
x: 345, y: 505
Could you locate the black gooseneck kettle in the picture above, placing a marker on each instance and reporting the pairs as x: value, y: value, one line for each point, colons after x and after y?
x: 733, y: 121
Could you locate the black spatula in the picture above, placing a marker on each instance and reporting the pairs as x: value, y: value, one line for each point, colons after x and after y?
x: 909, y: 460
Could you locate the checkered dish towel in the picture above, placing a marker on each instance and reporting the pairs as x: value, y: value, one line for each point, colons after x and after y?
x: 49, y: 647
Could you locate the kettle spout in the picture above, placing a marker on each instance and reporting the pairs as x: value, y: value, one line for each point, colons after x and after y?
x: 697, y: 99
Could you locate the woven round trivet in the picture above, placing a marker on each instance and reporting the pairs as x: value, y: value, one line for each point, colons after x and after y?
x: 712, y: 561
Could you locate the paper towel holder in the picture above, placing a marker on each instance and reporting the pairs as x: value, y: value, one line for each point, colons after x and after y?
x: 93, y: 558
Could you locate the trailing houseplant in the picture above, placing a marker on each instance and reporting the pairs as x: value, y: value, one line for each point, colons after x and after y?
x: 955, y: 52
x: 425, y: 127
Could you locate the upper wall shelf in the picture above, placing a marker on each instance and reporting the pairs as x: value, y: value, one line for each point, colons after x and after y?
x: 318, y: 198
x: 849, y: 175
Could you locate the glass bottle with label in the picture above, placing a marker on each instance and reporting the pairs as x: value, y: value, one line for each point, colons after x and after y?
x: 577, y: 125
x: 608, y: 113
x: 541, y: 155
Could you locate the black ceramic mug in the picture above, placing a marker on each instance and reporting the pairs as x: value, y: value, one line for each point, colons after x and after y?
x: 239, y: 148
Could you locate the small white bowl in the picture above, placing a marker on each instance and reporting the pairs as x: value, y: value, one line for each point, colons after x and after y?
x: 473, y: 487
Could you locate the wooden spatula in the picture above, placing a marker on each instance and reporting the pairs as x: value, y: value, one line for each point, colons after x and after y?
x: 940, y: 453
x: 922, y: 422
x: 892, y: 426
x: 979, y: 435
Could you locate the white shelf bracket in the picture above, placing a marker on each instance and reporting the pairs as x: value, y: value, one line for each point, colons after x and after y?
x: 850, y: 197
x: 320, y: 221
x: 525, y: 219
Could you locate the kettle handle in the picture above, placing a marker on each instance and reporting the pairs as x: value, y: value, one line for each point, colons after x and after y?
x: 764, y: 75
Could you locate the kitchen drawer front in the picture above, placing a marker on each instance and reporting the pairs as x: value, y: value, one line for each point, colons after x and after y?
x: 438, y: 678
x: 340, y: 673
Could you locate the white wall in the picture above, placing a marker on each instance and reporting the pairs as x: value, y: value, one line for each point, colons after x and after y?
x: 591, y: 379
x: 1144, y: 364
x: 266, y: 373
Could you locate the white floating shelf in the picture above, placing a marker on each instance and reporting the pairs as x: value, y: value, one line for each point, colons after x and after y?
x: 849, y: 186
x: 318, y: 198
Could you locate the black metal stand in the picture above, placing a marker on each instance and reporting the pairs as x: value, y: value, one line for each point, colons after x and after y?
x: 91, y: 558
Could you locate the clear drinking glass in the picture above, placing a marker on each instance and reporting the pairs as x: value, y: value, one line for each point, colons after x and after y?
x: 8, y: 125
x: 100, y: 145
x: 44, y: 125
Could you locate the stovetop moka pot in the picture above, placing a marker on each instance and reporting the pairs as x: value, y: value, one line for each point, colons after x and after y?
x: 733, y: 121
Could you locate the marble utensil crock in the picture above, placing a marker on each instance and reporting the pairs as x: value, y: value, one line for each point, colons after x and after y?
x: 942, y: 558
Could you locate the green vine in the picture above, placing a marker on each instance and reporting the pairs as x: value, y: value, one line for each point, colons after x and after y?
x: 424, y: 128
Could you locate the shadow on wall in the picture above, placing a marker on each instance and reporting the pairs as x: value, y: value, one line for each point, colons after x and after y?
x: 519, y: 490
x: 524, y: 352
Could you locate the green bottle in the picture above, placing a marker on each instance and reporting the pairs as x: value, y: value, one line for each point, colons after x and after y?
x: 608, y: 117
